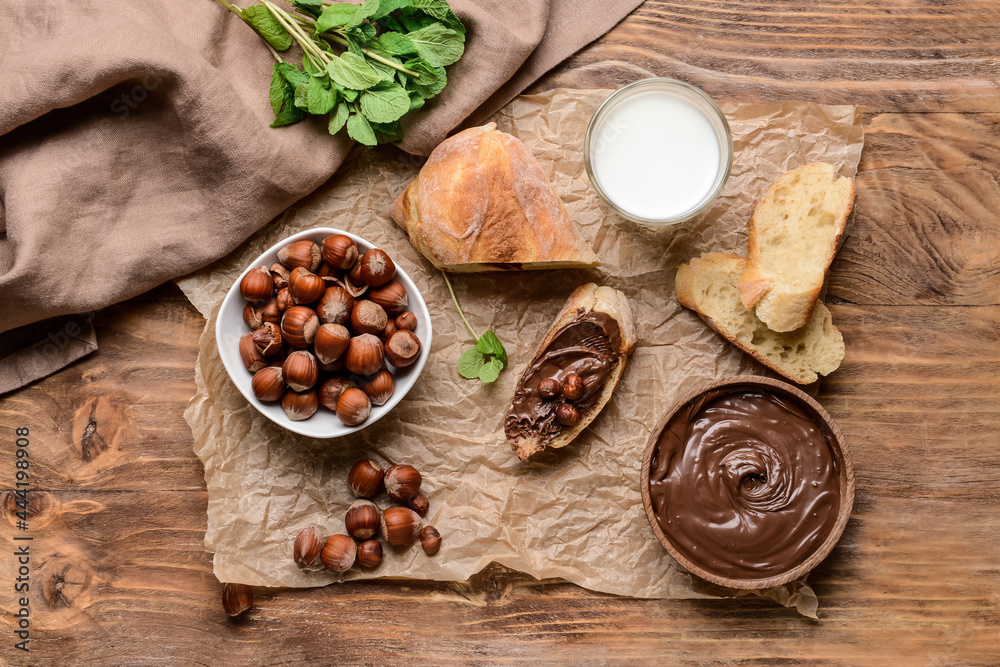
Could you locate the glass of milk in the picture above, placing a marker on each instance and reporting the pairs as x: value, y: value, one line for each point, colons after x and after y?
x: 658, y: 151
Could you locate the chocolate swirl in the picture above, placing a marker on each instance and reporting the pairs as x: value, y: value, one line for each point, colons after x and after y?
x: 745, y: 483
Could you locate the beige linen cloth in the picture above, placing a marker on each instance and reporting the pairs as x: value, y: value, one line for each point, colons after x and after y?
x: 135, y: 147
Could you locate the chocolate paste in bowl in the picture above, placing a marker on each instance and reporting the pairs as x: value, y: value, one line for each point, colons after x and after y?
x: 745, y: 483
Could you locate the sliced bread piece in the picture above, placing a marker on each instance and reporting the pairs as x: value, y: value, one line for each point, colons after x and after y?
x: 793, y: 237
x: 594, y: 329
x: 708, y: 285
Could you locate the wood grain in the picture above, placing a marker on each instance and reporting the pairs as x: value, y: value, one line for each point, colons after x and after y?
x: 118, y: 514
x: 125, y: 572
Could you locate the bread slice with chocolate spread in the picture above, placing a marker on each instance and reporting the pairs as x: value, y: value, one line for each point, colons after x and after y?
x: 592, y: 337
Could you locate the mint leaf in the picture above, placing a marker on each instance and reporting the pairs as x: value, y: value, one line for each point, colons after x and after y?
x: 260, y: 19
x: 384, y: 103
x: 415, y: 19
x: 352, y: 71
x: 338, y: 117
x: 471, y: 363
x: 437, y: 44
x: 359, y: 130
x: 302, y: 96
x: 308, y: 68
x: 364, y: 10
x: 364, y: 33
x: 335, y: 16
x: 292, y: 74
x: 282, y: 96
x: 395, y: 43
x: 321, y: 98
x: 432, y: 79
x: 490, y: 344
x: 416, y: 101
x: 437, y: 8
x: 312, y: 8
x: 491, y: 370
x: 388, y: 132
x: 386, y: 7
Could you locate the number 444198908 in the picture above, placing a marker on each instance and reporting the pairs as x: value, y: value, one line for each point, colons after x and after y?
x: 21, y: 475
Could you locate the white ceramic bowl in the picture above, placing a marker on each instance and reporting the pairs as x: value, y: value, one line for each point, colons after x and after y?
x: 229, y: 327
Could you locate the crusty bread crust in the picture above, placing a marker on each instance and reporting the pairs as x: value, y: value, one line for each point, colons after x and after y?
x: 482, y: 203
x: 708, y: 286
x: 584, y: 299
x: 793, y: 237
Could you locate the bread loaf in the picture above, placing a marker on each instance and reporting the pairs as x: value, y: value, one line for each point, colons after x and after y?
x: 708, y: 285
x: 793, y: 236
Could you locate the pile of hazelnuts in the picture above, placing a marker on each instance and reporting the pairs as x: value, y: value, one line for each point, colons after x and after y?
x: 571, y: 389
x: 398, y: 525
x: 323, y: 322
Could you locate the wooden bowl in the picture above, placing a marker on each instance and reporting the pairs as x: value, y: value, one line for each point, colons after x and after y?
x: 838, y: 446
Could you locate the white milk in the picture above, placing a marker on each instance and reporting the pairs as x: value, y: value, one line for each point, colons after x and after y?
x: 655, y: 156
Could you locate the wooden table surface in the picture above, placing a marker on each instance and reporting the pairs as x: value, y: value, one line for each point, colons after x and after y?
x: 120, y: 575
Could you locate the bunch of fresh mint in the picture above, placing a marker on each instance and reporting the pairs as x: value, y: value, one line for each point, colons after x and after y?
x: 364, y: 65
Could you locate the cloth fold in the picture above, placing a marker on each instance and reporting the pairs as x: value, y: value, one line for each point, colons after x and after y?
x: 135, y: 144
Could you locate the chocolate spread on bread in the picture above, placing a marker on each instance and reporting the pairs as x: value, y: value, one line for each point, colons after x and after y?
x: 587, y: 346
x: 745, y: 483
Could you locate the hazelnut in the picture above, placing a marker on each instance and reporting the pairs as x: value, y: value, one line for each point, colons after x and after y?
x: 430, y: 540
x: 402, y: 349
x: 236, y: 598
x: 377, y: 268
x: 335, y: 306
x: 305, y: 286
x: 299, y: 325
x: 270, y: 312
x: 392, y: 298
x: 365, y: 354
x: 363, y: 519
x: 549, y: 389
x: 257, y: 285
x: 338, y: 553
x: 335, y: 366
x: 301, y: 253
x: 567, y: 415
x: 325, y: 271
x: 400, y: 525
x: 367, y: 317
x: 268, y: 339
x: 330, y: 391
x: 284, y: 300
x: 267, y: 384
x: 402, y: 482
x: 370, y: 553
x: 380, y: 387
x: 251, y: 356
x: 354, y: 276
x: 573, y: 387
x: 300, y: 405
x: 330, y: 342
x: 365, y: 479
x: 353, y: 406
x: 307, y: 546
x: 420, y: 505
x: 300, y: 371
x: 279, y: 275
x: 340, y: 251
x: 390, y: 328
x: 252, y: 317
x: 406, y: 320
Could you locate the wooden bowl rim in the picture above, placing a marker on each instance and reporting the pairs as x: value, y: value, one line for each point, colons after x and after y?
x: 842, y: 453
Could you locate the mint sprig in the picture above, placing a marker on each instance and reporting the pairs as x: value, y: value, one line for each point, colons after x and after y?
x: 364, y: 66
x: 487, y: 358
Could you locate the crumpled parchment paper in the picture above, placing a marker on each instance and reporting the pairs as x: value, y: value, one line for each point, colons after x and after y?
x: 573, y: 513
